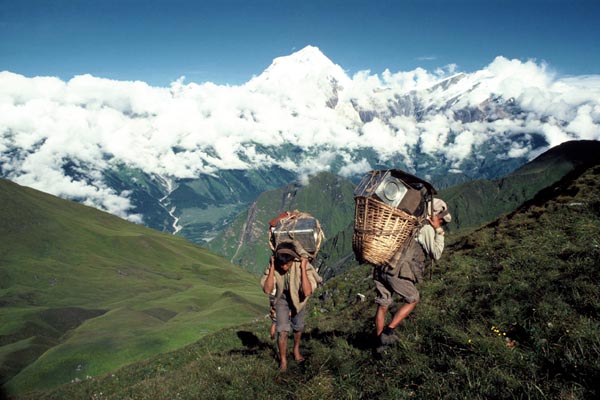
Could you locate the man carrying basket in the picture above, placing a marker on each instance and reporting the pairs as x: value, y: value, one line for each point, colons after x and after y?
x: 405, y: 269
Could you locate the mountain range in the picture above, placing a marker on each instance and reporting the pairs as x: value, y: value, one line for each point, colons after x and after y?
x: 188, y: 158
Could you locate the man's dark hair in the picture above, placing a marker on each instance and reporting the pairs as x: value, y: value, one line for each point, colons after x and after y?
x: 285, y: 253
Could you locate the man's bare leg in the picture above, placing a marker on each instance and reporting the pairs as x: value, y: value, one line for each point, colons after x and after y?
x: 282, y: 342
x: 380, y: 319
x: 386, y: 334
x: 297, y: 356
x: 402, y: 313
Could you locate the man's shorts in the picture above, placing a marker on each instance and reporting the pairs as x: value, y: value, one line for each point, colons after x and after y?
x: 287, y: 319
x: 386, y: 285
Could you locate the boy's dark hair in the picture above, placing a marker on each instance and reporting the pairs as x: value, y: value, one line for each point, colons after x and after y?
x: 285, y: 253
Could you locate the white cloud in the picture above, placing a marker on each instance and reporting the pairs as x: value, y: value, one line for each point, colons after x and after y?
x: 355, y: 168
x: 382, y: 138
x: 186, y: 130
x: 586, y: 124
x: 313, y: 165
x: 434, y: 133
x: 461, y: 147
x: 517, y: 150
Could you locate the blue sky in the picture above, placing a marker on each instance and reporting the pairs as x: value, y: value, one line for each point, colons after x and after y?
x: 229, y: 41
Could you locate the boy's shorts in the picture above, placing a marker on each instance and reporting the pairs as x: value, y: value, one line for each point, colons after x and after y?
x: 287, y: 319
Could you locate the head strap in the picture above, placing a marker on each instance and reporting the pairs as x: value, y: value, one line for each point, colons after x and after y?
x: 288, y: 251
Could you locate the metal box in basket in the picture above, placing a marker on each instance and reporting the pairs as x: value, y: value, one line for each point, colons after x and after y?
x: 389, y: 188
x: 388, y: 207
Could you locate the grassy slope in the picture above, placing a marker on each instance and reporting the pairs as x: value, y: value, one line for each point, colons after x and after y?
x: 530, y: 279
x: 83, y: 292
x: 328, y: 197
x: 477, y: 202
x: 206, y: 204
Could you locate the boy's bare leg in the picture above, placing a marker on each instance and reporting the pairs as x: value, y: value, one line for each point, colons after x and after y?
x: 282, y: 342
x: 297, y: 356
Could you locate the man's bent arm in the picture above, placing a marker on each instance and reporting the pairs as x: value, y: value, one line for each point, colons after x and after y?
x: 306, y: 286
x: 432, y: 242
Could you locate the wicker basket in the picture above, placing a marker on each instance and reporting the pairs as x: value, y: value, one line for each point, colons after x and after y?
x: 379, y: 230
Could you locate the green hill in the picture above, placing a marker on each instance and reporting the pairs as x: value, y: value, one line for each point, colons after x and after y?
x: 512, y: 311
x: 83, y: 292
x: 477, y: 202
x: 245, y: 242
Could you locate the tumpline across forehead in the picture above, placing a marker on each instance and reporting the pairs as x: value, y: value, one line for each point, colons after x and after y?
x: 287, y: 252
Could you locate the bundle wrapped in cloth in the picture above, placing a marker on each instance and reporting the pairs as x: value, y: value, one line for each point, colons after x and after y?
x: 296, y: 226
x: 389, y: 206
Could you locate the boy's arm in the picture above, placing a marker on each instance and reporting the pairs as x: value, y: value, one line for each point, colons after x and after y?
x: 268, y: 281
x: 306, y: 286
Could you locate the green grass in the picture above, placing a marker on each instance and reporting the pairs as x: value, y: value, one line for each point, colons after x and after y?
x: 83, y: 292
x: 511, y: 312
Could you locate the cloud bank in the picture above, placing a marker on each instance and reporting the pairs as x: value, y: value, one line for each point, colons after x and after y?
x: 59, y: 136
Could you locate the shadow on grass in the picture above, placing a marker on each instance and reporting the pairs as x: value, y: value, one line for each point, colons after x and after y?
x: 359, y: 340
x: 252, y: 344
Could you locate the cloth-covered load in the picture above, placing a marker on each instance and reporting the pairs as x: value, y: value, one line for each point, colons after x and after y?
x: 389, y: 206
x: 298, y: 226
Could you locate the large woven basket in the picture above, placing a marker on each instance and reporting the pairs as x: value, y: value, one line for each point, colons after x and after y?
x: 379, y: 230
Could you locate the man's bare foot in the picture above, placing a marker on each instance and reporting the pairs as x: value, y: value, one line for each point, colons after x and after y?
x: 283, y: 366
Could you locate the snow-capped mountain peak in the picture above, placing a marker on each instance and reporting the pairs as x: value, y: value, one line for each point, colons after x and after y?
x: 308, y: 55
x: 302, y: 115
x: 308, y: 71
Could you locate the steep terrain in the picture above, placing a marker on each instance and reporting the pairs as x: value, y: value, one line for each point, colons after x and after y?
x: 512, y: 311
x: 327, y: 197
x: 83, y: 292
x: 472, y: 204
x: 480, y: 201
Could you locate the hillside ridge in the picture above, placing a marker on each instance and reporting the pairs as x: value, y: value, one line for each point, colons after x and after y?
x: 477, y: 202
x: 83, y: 292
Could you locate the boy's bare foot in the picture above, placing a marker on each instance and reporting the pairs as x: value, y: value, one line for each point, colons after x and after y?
x: 298, y: 357
x: 283, y: 366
